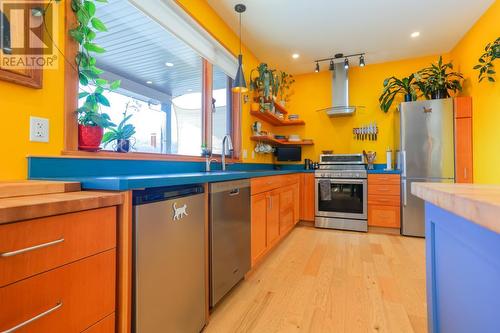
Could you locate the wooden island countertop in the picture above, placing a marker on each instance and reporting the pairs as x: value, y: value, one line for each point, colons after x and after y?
x: 475, y: 202
x: 25, y: 200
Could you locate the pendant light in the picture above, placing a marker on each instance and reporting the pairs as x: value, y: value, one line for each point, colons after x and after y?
x: 239, y: 83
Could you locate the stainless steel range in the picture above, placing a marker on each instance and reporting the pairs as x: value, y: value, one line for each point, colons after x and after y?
x: 341, y: 192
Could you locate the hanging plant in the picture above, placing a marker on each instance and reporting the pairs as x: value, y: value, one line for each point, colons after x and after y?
x: 393, y: 87
x: 485, y: 66
x: 92, y: 86
x: 285, y: 85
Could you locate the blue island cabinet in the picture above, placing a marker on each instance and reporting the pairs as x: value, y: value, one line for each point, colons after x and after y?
x: 463, y: 274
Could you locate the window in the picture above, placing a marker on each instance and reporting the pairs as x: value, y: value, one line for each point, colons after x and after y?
x: 221, y: 108
x: 162, y: 85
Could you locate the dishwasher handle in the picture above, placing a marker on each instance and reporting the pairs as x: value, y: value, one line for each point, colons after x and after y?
x: 234, y: 192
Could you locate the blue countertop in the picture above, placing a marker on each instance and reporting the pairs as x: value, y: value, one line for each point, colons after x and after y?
x: 132, y: 182
x: 380, y: 169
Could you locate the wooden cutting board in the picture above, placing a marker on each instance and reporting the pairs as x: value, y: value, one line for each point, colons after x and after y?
x: 9, y: 189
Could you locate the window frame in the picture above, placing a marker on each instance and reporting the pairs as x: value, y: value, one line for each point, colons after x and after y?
x: 71, y: 88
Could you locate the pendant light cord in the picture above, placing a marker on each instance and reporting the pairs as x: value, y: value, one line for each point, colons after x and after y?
x: 240, y: 33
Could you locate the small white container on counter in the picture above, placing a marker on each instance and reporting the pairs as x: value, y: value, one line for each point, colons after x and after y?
x: 388, y: 157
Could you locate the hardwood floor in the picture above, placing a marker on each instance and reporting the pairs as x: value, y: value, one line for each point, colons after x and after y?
x: 331, y: 281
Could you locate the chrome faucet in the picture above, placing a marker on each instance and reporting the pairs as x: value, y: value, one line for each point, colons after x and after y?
x: 208, y: 163
x: 226, y: 140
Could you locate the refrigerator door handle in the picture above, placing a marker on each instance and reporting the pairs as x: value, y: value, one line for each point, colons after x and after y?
x: 403, y: 163
x: 404, y: 192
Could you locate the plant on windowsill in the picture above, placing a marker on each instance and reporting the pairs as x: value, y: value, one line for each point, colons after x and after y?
x: 394, y: 87
x: 123, y: 133
x: 485, y: 66
x: 285, y: 85
x: 91, y: 120
x: 436, y: 81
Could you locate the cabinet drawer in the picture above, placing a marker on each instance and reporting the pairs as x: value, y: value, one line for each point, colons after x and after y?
x: 106, y: 325
x: 384, y: 216
x: 384, y: 200
x: 67, y: 299
x: 383, y: 179
x: 383, y: 189
x: 264, y: 184
x: 31, y: 247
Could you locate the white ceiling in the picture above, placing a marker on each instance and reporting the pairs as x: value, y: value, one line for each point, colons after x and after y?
x: 275, y: 29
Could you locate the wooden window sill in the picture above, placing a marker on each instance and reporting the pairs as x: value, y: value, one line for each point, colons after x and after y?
x: 106, y: 154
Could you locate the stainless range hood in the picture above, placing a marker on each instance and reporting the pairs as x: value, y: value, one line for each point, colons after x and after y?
x: 340, y: 93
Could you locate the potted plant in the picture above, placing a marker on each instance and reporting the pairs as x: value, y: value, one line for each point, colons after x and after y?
x: 485, y: 66
x: 436, y: 81
x: 264, y: 85
x: 284, y: 92
x: 123, y: 132
x: 91, y: 120
x: 394, y: 86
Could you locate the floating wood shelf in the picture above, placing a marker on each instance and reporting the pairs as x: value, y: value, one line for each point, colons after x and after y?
x: 273, y: 141
x: 275, y: 120
x: 280, y: 108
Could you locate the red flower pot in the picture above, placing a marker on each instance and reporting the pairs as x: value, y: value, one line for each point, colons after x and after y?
x: 89, y: 137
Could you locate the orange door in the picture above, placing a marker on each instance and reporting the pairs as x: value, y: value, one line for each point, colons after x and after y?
x: 296, y: 203
x: 273, y: 217
x: 307, y: 197
x: 463, y: 150
x: 258, y: 227
x: 286, y: 209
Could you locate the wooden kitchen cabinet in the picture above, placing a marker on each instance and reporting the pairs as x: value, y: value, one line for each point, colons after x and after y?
x: 286, y: 209
x: 307, y: 197
x: 384, y: 200
x: 258, y: 227
x: 463, y: 139
x: 275, y: 208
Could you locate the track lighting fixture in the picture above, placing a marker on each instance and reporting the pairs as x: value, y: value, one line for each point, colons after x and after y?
x: 339, y: 57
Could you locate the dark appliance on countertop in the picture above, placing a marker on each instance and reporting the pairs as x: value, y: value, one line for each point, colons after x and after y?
x: 341, y: 192
x: 288, y: 154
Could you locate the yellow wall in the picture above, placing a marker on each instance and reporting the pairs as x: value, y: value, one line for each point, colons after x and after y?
x: 313, y: 92
x: 17, y: 103
x: 485, y: 95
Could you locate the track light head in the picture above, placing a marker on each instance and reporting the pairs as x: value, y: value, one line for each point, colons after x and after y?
x: 317, y: 67
x: 361, y: 61
x: 346, y: 63
x: 332, y: 65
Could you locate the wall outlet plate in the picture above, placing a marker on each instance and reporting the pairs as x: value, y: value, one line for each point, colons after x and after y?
x: 245, y: 153
x: 39, y: 129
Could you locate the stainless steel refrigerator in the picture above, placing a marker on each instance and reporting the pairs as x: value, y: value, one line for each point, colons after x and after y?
x: 427, y: 154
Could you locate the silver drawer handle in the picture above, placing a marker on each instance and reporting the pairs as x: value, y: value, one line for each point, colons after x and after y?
x: 31, y: 248
x: 24, y: 323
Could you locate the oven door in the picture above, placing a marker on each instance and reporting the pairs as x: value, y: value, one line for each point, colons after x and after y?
x: 343, y: 198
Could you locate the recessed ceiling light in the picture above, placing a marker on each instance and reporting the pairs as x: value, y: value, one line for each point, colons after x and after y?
x: 149, y: 82
x: 169, y: 64
x: 295, y: 56
x: 415, y: 34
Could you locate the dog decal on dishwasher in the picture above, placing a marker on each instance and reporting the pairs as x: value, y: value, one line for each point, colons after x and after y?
x: 180, y: 212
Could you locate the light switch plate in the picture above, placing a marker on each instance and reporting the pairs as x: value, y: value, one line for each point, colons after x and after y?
x: 39, y: 129
x: 245, y: 153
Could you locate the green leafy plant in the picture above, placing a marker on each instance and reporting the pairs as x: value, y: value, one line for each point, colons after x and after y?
x: 394, y: 87
x: 438, y: 80
x: 264, y: 83
x: 92, y: 85
x: 485, y: 66
x: 123, y: 131
x: 285, y: 84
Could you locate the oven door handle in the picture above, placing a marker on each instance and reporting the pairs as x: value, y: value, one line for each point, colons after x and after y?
x: 343, y: 180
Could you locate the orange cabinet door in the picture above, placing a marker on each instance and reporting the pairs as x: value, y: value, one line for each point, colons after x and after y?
x: 258, y: 227
x: 296, y: 203
x: 307, y: 197
x: 286, y: 209
x: 463, y: 150
x: 273, y: 217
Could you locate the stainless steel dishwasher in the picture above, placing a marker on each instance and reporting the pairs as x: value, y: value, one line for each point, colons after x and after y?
x: 169, y: 260
x: 229, y: 236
